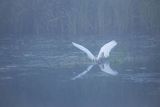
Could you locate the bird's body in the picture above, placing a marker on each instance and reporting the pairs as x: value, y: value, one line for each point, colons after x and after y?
x: 100, y: 60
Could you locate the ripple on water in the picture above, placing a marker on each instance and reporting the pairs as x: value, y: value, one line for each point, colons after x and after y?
x: 143, y: 77
x: 6, y: 78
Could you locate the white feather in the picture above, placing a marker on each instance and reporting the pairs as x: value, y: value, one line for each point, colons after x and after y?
x: 82, y: 48
x: 106, y: 49
x: 103, y: 53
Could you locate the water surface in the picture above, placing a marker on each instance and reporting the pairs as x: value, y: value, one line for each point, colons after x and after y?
x: 37, y: 73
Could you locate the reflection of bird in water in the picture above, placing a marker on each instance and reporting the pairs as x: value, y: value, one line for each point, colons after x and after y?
x: 105, y: 67
x: 100, y: 59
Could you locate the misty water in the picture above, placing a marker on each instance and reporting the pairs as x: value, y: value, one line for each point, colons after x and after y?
x: 38, y: 72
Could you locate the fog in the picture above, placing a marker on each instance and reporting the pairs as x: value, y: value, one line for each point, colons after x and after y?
x: 39, y: 66
x: 79, y: 17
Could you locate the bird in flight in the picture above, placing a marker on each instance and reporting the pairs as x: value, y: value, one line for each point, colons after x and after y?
x: 100, y: 59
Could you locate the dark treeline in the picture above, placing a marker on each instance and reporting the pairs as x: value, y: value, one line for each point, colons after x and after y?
x: 79, y: 17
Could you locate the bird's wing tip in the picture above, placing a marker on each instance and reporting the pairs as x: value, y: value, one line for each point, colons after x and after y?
x: 73, y: 43
x: 113, y: 41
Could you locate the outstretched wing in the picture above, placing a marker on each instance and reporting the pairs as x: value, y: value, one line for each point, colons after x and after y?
x: 107, y: 69
x: 89, y: 54
x: 83, y: 73
x: 105, y: 50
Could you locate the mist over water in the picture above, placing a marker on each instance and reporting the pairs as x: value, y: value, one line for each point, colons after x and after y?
x: 39, y: 72
x: 38, y: 61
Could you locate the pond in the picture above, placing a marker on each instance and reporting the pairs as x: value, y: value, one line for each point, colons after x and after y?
x: 39, y: 72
